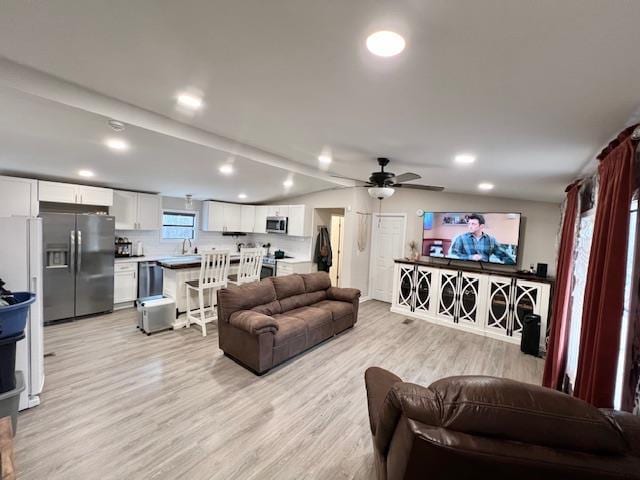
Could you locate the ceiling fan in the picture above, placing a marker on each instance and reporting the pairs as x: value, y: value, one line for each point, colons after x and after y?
x: 383, y: 184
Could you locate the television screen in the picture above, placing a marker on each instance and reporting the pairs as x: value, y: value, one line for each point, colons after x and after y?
x: 478, y: 237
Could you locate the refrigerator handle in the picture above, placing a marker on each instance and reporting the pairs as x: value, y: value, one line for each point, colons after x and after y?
x: 72, y: 250
x: 79, y: 261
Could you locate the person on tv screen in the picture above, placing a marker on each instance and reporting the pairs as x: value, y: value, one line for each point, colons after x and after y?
x: 477, y: 245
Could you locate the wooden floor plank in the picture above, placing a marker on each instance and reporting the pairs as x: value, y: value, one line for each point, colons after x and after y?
x: 118, y: 404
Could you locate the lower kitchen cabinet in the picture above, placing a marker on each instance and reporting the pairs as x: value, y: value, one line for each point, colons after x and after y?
x: 483, y: 303
x: 288, y: 268
x: 125, y: 283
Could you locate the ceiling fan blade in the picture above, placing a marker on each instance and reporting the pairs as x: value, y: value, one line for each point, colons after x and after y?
x: 406, y: 177
x: 432, y: 188
x: 352, y: 179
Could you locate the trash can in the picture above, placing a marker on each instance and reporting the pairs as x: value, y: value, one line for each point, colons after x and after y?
x: 156, y: 313
x: 13, y: 318
x: 10, y: 401
x: 8, y: 362
x: 530, y: 341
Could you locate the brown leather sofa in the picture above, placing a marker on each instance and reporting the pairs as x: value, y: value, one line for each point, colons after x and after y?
x: 262, y: 324
x: 478, y: 427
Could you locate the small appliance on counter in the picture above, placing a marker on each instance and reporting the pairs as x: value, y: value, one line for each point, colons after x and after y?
x: 278, y: 254
x: 156, y: 313
x: 137, y: 249
x: 123, y: 247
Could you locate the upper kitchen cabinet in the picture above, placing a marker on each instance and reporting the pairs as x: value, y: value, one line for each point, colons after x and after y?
x: 231, y: 214
x: 247, y: 218
x: 296, y: 225
x: 18, y: 197
x: 277, y: 210
x: 136, y: 211
x: 70, y: 193
x: 212, y: 216
x: 260, y: 220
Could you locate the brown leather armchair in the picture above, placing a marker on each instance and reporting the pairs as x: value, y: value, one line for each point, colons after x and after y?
x: 477, y: 427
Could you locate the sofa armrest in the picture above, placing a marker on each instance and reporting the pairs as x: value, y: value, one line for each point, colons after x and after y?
x: 343, y: 294
x: 253, y: 322
x: 378, y: 382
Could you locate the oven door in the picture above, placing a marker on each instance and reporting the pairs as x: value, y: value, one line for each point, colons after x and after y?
x: 267, y: 271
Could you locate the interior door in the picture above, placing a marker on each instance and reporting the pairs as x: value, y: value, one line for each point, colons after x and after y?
x: 58, y: 233
x: 94, y: 264
x: 387, y: 245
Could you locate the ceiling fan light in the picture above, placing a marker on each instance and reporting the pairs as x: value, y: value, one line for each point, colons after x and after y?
x: 381, y: 192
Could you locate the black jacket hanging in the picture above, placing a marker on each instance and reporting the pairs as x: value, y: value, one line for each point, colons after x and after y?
x: 323, y: 254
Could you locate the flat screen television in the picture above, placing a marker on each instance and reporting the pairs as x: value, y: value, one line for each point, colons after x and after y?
x: 472, y: 236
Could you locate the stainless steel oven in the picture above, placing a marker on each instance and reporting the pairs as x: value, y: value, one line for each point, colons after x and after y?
x: 267, y: 271
x: 277, y: 224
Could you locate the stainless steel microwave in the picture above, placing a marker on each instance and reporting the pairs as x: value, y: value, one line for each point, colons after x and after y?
x: 277, y: 224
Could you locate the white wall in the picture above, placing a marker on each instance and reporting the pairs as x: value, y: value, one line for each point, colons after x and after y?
x: 541, y: 220
x: 355, y: 271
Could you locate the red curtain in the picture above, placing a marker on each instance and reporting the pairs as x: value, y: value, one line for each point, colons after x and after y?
x: 556, y: 360
x: 604, y: 292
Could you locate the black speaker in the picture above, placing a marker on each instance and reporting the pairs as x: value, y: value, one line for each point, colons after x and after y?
x: 541, y: 270
x: 530, y: 342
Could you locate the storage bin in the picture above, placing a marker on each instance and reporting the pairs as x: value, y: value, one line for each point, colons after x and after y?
x: 13, y: 318
x: 10, y: 401
x: 8, y: 362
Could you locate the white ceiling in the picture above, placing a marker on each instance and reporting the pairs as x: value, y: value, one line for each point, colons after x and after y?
x: 533, y: 88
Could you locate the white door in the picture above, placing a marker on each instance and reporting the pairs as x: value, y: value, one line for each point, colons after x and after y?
x: 388, y: 233
x: 336, y: 236
x: 149, y: 211
x: 125, y: 209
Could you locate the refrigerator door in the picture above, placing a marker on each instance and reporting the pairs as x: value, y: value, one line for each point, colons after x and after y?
x: 58, y: 232
x: 94, y: 264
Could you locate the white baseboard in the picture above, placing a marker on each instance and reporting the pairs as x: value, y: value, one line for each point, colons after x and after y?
x: 364, y: 299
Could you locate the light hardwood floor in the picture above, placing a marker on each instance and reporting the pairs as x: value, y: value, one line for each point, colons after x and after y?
x: 120, y: 405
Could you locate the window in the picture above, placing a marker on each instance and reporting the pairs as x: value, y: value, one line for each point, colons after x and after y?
x: 178, y: 225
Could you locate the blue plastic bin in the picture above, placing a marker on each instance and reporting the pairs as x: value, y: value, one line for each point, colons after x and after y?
x: 13, y: 318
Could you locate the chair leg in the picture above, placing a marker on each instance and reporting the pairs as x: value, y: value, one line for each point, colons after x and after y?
x: 202, y: 312
x: 188, y: 324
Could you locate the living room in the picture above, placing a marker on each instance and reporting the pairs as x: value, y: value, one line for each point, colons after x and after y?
x: 287, y: 239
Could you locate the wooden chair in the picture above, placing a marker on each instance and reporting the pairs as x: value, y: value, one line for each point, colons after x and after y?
x: 250, y: 266
x: 214, y: 269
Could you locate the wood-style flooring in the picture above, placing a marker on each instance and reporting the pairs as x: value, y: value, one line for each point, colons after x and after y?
x: 120, y: 405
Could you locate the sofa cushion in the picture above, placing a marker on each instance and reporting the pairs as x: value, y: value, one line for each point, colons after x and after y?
x: 245, y: 297
x: 302, y: 300
x: 319, y: 323
x: 290, y: 329
x: 338, y: 309
x: 316, y: 281
x: 253, y: 322
x: 288, y: 286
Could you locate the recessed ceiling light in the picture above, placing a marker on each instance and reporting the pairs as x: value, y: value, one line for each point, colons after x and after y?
x: 485, y: 186
x: 86, y: 173
x: 465, y: 159
x: 227, y: 169
x: 288, y: 183
x: 325, y: 159
x: 116, y: 144
x: 189, y: 101
x: 242, y: 196
x: 385, y: 43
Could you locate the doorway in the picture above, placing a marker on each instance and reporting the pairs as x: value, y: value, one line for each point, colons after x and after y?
x: 336, y: 234
x: 388, y: 233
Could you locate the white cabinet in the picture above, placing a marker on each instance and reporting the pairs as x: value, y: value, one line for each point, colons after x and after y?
x: 226, y: 217
x: 260, y: 224
x: 136, y: 211
x: 297, y: 221
x: 483, y: 303
x: 125, y: 282
x: 287, y: 268
x: 277, y: 210
x: 247, y: 218
x: 149, y: 211
x: 70, y: 193
x: 18, y: 197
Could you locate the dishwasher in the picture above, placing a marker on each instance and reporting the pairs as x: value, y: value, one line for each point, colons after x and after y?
x: 149, y: 279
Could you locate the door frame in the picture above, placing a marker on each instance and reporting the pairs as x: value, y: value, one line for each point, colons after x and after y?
x: 374, y: 218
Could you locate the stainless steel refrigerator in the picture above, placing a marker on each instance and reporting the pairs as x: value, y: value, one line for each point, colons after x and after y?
x: 78, y: 264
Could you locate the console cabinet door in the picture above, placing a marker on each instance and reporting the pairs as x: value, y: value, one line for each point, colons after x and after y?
x: 529, y: 297
x: 403, y: 298
x: 499, y: 301
x: 471, y: 299
x: 426, y: 288
x: 448, y: 294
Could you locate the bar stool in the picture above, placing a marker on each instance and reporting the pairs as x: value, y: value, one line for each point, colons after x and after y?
x: 214, y: 268
x: 249, y: 267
